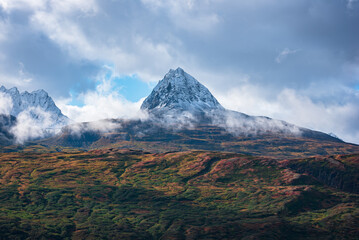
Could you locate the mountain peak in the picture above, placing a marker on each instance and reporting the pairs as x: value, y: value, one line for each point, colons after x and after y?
x: 180, y: 91
x: 12, y: 90
x: 178, y: 71
x: 25, y: 101
x: 40, y: 92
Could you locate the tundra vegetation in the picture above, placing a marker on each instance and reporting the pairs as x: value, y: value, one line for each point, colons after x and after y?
x: 196, y: 194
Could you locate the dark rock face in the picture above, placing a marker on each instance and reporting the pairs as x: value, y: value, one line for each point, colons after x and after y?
x: 6, y: 122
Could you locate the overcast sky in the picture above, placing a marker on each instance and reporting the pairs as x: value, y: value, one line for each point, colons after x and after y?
x: 294, y: 60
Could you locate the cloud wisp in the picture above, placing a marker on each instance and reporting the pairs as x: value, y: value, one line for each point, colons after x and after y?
x: 284, y: 54
x: 297, y: 108
x: 243, y: 125
x: 5, y: 104
x: 33, y: 123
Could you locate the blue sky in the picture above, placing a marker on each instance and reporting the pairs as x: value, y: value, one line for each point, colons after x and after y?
x: 292, y: 60
x: 130, y: 87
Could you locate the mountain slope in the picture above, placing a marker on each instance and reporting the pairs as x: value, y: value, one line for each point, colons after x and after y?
x: 152, y: 136
x: 183, y: 115
x: 36, y: 114
x: 34, y: 104
x: 181, y: 92
x: 6, y: 123
x: 124, y: 194
x: 179, y: 99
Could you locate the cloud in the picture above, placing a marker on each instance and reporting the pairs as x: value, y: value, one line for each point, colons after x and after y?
x: 100, y: 126
x: 98, y: 106
x: 297, y: 108
x: 211, y: 36
x: 242, y: 125
x: 10, y: 5
x: 5, y: 104
x: 23, y: 75
x: 190, y: 15
x: 93, y: 44
x: 350, y: 3
x: 104, y: 102
x: 284, y: 54
x: 63, y: 30
x: 33, y: 123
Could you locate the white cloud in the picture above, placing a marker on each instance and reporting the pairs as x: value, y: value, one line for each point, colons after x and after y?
x: 128, y: 53
x: 22, y: 78
x: 31, y: 123
x: 284, y: 54
x: 105, y: 125
x: 64, y: 32
x: 9, y: 5
x: 13, y: 80
x: 63, y: 6
x: 23, y: 74
x: 5, y: 103
x: 29, y: 127
x: 190, y: 15
x: 293, y: 107
x: 128, y: 62
x: 98, y: 106
x: 102, y: 103
x: 56, y: 20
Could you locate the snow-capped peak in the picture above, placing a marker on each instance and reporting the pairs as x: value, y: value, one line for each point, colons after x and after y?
x: 180, y: 91
x: 39, y: 100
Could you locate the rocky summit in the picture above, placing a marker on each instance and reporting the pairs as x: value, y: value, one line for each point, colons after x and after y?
x: 35, y: 103
x: 179, y: 99
x: 181, y: 92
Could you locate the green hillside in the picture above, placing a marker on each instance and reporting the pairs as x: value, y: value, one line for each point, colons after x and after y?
x: 126, y: 194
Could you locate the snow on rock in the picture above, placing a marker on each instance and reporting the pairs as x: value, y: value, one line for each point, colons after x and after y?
x: 180, y: 91
x: 36, y: 105
x: 180, y: 100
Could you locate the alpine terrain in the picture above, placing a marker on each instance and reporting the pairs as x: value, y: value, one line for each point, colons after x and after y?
x: 180, y: 92
x: 34, y: 102
x: 183, y: 114
x: 190, y: 170
x: 35, y: 108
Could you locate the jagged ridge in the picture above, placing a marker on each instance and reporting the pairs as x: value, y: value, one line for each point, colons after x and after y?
x: 38, y: 99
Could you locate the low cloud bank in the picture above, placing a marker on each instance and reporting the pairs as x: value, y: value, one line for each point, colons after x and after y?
x: 173, y: 119
x: 236, y: 123
x: 301, y: 108
x: 33, y: 123
x: 100, y: 126
x: 243, y: 125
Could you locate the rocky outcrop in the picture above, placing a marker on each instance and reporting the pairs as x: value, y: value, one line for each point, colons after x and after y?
x: 6, y: 122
